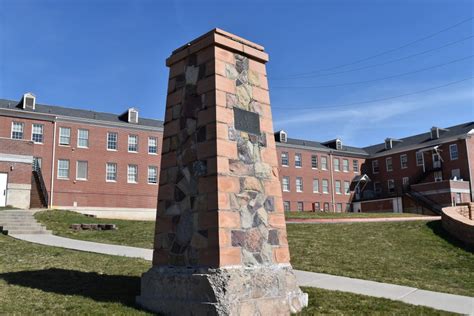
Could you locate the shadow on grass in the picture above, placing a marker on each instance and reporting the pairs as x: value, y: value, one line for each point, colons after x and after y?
x: 99, y: 287
x: 438, y: 229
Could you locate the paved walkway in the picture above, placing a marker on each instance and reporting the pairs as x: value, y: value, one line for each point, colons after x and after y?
x: 360, y: 220
x: 442, y: 301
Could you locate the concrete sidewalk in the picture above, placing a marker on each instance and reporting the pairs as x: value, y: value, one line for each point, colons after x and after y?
x: 442, y: 301
x: 360, y: 220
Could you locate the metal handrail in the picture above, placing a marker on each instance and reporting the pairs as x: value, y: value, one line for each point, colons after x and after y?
x: 43, y: 189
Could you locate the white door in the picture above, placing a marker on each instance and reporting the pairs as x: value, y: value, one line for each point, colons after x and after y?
x: 436, y: 161
x: 3, y: 189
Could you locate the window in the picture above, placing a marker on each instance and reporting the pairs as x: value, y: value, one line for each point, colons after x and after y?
x: 453, y: 151
x: 389, y: 164
x: 300, y: 206
x: 375, y: 166
x: 405, y: 182
x: 63, y: 169
x: 325, y: 186
x: 298, y: 162
x: 348, y: 207
x: 326, y: 207
x: 37, y: 133
x: 336, y: 164
x: 111, y: 172
x: 315, y: 186
x: 82, y: 138
x: 286, y: 184
x: 316, y: 206
x: 438, y: 176
x: 17, y: 130
x: 132, y: 174
x: 377, y: 187
x: 152, y: 175
x: 338, y: 186
x: 64, y: 136
x: 458, y: 198
x: 284, y: 159
x: 152, y: 145
x: 81, y: 170
x: 355, y: 165
x: 314, y: 162
x: 299, y: 184
x: 419, y: 158
x: 112, y: 141
x: 324, y: 162
x: 286, y: 206
x: 339, y: 207
x: 345, y: 165
x: 132, y: 143
x: 347, y: 187
x: 391, y: 186
x: 456, y: 174
x: 404, y: 161
x: 37, y: 162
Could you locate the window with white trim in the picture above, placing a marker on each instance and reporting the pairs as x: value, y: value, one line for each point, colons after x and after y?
x: 338, y: 186
x: 111, y: 172
x: 285, y: 182
x: 299, y: 184
x: 324, y: 163
x: 316, y: 206
x: 391, y: 185
x: 298, y: 162
x: 347, y: 187
x: 284, y: 159
x: 132, y: 173
x: 315, y: 185
x: 355, y: 165
x: 152, y: 145
x: 314, y: 162
x: 37, y: 162
x: 325, y: 184
x: 453, y: 151
x: 345, y: 165
x: 326, y: 206
x: 112, y: 140
x: 81, y: 170
x: 300, y: 207
x: 375, y: 166
x: 419, y: 158
x: 82, y: 138
x: 17, y: 130
x: 287, y: 206
x: 404, y: 161
x: 37, y: 133
x: 336, y: 164
x: 132, y: 143
x: 389, y: 164
x: 438, y: 176
x: 152, y: 174
x: 64, y: 136
x: 63, y: 169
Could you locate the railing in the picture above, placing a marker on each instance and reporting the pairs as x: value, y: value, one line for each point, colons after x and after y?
x: 44, y: 192
x: 429, y: 203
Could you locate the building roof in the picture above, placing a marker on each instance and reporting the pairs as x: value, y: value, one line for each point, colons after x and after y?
x: 319, y: 146
x: 422, y: 140
x: 78, y: 113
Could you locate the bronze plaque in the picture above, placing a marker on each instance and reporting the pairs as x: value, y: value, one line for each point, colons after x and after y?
x: 246, y: 121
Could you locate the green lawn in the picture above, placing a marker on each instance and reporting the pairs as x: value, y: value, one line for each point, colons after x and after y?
x: 3, y: 208
x: 326, y: 215
x: 37, y: 279
x: 417, y: 254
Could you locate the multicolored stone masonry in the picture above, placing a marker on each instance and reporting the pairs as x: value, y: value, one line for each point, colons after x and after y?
x: 219, y: 205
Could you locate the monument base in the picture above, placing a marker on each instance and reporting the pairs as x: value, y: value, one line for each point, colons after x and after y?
x: 263, y: 290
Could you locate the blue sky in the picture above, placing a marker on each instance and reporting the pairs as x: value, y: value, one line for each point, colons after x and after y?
x: 108, y: 55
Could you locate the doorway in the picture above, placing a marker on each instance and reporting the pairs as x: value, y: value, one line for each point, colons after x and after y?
x: 3, y: 189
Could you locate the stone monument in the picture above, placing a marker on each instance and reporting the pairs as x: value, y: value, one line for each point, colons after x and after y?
x: 220, y: 245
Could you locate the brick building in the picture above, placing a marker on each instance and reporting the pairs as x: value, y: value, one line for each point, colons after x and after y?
x: 85, y: 159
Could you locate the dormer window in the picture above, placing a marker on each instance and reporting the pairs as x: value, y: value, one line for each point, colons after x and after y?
x: 338, y: 144
x: 133, y: 116
x: 434, y: 132
x: 29, y: 101
x: 388, y: 143
x: 281, y: 136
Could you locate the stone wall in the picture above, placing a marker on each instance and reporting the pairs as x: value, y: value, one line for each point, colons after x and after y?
x: 459, y: 226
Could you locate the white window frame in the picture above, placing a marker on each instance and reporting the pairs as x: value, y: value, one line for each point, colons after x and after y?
x: 324, y: 163
x: 391, y: 181
x: 79, y: 138
x: 150, y: 168
x: 285, y: 157
x: 299, y: 186
x: 419, y: 154
x: 438, y: 176
x: 22, y: 125
x: 135, y: 174
x: 451, y: 151
x: 287, y: 206
x: 77, y: 170
x: 33, y: 133
x: 375, y: 164
x: 337, y: 166
x: 61, y: 128
x: 130, y: 137
x: 62, y: 169
x: 355, y: 163
x: 315, y: 185
x: 347, y: 188
x: 155, y: 139
x: 298, y: 204
x: 337, y: 187
x: 107, y: 172
x: 325, y: 188
x: 387, y: 164
x: 406, y: 181
x: 112, y: 142
x: 345, y: 165
x: 285, y: 182
x: 314, y: 161
x: 404, y: 157
x: 298, y: 160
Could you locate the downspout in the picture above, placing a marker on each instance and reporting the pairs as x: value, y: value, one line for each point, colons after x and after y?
x: 332, y: 182
x: 53, y: 163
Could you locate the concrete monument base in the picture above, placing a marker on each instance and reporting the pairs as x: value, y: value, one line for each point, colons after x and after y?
x: 261, y: 290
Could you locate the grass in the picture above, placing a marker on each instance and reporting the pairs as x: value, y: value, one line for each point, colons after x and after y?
x: 8, y: 207
x: 36, y: 279
x: 130, y: 233
x: 417, y: 254
x: 326, y: 215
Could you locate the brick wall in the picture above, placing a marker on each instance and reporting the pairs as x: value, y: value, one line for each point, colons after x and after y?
x: 458, y: 226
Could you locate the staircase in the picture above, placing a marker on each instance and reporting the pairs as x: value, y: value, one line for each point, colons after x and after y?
x: 39, y: 194
x: 18, y: 222
x: 424, y: 201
